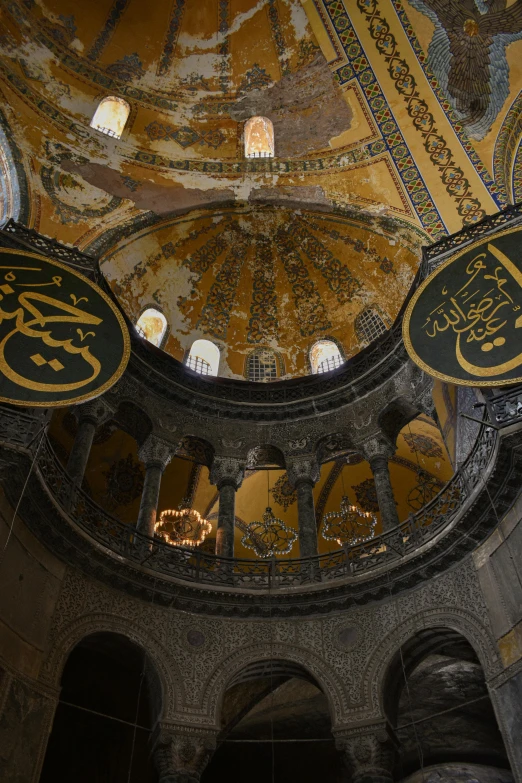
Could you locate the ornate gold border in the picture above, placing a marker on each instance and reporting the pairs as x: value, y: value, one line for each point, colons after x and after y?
x: 413, y: 301
x: 126, y: 339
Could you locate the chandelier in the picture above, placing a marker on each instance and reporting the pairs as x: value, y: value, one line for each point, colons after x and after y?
x: 350, y: 525
x: 269, y: 537
x: 183, y: 527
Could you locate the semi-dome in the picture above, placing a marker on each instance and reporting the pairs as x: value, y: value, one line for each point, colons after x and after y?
x: 264, y: 277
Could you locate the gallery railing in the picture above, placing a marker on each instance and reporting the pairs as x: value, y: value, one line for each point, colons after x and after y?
x: 194, y: 565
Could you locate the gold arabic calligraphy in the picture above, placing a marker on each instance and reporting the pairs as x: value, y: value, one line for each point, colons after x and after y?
x: 479, y: 311
x: 32, y: 303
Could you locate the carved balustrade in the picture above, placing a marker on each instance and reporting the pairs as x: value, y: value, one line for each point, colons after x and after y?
x: 197, y: 566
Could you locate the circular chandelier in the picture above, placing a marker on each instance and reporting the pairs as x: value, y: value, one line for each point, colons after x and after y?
x: 350, y: 525
x: 183, y: 527
x: 269, y: 537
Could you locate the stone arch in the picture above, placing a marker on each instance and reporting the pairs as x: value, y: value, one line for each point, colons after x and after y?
x: 14, y: 194
x: 327, y: 680
x: 133, y: 420
x: 453, y: 619
x: 333, y: 446
x: 396, y: 415
x: 260, y: 456
x: 196, y: 449
x: 165, y: 668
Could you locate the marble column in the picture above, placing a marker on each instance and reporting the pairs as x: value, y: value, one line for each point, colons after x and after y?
x: 156, y: 455
x: 378, y: 452
x: 90, y: 416
x: 227, y: 474
x: 368, y: 754
x: 303, y: 473
x: 181, y: 754
x: 26, y: 716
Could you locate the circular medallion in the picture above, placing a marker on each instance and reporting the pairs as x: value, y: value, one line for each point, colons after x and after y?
x: 347, y: 636
x: 62, y: 339
x: 464, y: 323
x: 195, y: 638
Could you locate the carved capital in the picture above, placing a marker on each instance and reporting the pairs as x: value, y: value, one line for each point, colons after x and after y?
x: 96, y: 411
x: 227, y: 470
x: 368, y: 753
x: 303, y: 470
x: 181, y: 757
x: 425, y: 399
x: 376, y: 446
x: 155, y: 452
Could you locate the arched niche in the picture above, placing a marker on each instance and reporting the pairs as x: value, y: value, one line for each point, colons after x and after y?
x: 110, y: 700
x: 279, y: 698
x: 436, y: 699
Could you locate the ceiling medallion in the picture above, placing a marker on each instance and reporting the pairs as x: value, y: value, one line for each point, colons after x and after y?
x: 184, y: 527
x: 269, y: 537
x: 350, y: 525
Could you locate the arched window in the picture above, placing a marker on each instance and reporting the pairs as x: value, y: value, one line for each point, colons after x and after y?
x: 325, y: 356
x: 259, y: 138
x: 203, y: 357
x: 110, y: 116
x: 152, y: 325
x: 262, y: 365
x: 369, y: 325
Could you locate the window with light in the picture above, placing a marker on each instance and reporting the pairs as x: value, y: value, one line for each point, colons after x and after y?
x: 203, y: 357
x: 152, y: 325
x: 325, y: 356
x: 262, y: 365
x: 111, y: 116
x: 259, y: 138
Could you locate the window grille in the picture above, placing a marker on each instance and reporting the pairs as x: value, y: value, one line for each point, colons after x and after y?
x: 262, y: 366
x: 199, y: 365
x: 369, y: 325
x: 331, y: 363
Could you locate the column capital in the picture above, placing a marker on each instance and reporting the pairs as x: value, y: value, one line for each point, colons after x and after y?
x: 368, y: 753
x: 156, y: 452
x: 96, y: 411
x: 377, y: 446
x: 227, y: 470
x: 303, y: 470
x: 181, y: 756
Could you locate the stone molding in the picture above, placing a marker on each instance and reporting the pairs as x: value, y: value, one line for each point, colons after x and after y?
x: 156, y: 452
x: 227, y: 471
x: 303, y: 470
x: 181, y: 757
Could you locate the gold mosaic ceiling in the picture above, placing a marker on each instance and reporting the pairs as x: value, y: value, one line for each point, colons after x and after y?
x: 410, y: 158
x: 262, y: 277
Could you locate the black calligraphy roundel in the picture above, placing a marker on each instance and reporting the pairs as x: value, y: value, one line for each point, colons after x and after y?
x: 464, y: 323
x: 62, y: 340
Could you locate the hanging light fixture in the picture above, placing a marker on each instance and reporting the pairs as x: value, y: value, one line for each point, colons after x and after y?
x: 182, y: 527
x: 271, y: 536
x: 350, y: 524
